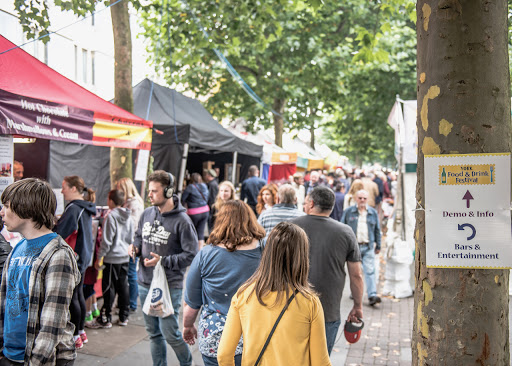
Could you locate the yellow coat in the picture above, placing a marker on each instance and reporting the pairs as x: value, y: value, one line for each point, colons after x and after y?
x: 299, y: 338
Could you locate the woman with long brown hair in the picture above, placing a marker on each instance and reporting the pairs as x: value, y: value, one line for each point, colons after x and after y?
x: 266, y: 198
x: 279, y: 285
x: 215, y: 275
x: 75, y: 226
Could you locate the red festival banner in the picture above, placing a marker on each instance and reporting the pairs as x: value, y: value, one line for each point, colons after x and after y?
x: 37, y: 118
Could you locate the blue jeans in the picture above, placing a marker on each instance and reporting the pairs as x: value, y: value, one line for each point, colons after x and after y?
x: 368, y: 255
x: 166, y: 329
x: 212, y: 361
x: 331, y: 330
x: 132, y: 282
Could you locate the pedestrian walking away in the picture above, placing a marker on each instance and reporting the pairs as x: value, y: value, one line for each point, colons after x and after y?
x: 276, y: 310
x: 332, y: 245
x: 251, y: 187
x: 220, y: 268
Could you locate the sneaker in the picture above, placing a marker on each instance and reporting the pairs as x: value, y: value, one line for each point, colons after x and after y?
x: 374, y: 300
x: 89, y: 318
x: 83, y: 336
x: 98, y: 324
x: 133, y: 310
x: 121, y: 323
x: 79, y: 343
x: 96, y: 313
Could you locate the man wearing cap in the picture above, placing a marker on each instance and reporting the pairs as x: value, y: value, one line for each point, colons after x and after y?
x: 332, y: 244
x: 210, y: 177
x: 364, y: 221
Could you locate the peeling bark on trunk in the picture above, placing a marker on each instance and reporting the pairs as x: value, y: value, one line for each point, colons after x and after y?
x: 278, y: 120
x: 121, y: 159
x: 461, y: 315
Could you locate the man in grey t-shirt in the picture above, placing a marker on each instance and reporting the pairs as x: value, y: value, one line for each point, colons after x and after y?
x: 331, y: 245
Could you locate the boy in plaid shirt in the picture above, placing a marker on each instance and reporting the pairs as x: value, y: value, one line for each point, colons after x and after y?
x: 37, y: 282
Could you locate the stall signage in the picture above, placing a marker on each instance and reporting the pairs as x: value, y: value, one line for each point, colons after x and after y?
x: 467, y: 211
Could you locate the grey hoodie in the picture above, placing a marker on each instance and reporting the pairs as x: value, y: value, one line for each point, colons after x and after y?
x: 117, y: 235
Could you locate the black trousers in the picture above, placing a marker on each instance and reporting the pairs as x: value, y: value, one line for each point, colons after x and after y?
x: 77, y: 306
x: 115, y: 281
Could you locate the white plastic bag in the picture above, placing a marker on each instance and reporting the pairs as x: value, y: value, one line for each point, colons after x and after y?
x: 158, y: 302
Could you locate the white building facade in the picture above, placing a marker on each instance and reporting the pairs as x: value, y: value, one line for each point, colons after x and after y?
x: 83, y: 51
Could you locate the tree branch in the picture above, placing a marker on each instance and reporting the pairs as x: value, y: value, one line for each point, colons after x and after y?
x: 246, y: 68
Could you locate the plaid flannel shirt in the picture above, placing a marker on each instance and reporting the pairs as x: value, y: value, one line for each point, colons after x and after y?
x: 53, y: 277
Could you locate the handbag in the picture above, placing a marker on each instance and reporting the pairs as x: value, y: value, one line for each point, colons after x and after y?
x: 274, y: 327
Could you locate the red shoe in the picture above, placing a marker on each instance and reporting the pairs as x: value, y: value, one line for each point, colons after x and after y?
x: 84, y: 338
x: 79, y: 343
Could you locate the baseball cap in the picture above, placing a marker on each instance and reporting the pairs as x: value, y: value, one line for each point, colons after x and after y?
x: 353, y: 330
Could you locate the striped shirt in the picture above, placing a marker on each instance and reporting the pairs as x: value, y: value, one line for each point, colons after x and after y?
x: 276, y: 214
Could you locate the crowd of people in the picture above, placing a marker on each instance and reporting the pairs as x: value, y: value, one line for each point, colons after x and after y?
x: 278, y: 254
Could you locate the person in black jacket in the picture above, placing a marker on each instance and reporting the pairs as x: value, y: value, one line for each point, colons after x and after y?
x: 5, y: 249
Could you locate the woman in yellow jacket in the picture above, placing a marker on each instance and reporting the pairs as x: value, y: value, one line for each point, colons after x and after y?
x: 299, y: 338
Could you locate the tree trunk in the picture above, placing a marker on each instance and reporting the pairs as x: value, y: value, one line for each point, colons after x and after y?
x: 461, y: 315
x: 312, y: 131
x: 121, y: 159
x: 358, y: 160
x: 278, y: 120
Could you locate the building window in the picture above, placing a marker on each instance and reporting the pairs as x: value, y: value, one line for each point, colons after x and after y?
x: 76, y: 63
x: 84, y: 65
x: 93, y: 68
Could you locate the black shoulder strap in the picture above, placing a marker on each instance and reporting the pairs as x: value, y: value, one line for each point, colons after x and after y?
x: 274, y: 327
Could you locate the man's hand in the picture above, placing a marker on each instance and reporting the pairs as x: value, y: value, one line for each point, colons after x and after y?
x: 153, y: 261
x: 132, y: 251
x: 355, y: 314
x: 190, y: 335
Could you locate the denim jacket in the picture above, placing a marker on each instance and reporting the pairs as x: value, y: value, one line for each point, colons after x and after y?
x: 195, y: 195
x: 351, y: 216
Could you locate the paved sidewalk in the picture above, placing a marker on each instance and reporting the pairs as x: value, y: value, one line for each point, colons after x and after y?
x: 386, y: 339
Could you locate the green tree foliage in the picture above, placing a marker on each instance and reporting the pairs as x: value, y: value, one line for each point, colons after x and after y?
x: 358, y: 126
x: 290, y: 53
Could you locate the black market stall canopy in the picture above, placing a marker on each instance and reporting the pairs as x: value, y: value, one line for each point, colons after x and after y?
x: 167, y: 106
x: 172, y: 112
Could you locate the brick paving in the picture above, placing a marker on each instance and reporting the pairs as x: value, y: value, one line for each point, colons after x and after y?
x: 386, y: 337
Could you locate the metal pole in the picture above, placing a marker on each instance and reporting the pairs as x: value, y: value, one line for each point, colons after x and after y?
x: 183, y: 167
x: 233, y: 171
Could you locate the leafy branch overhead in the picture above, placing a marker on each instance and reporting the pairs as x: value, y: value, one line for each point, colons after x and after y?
x: 301, y: 58
x: 286, y: 51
